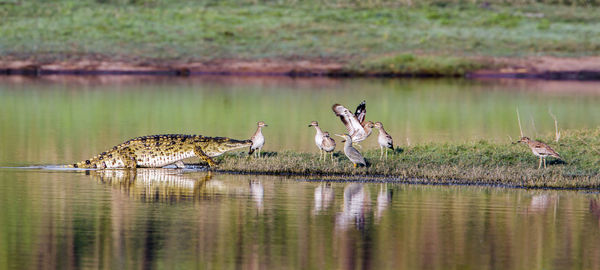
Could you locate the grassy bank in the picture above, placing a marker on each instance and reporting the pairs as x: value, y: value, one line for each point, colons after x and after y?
x: 476, y: 163
x: 383, y: 36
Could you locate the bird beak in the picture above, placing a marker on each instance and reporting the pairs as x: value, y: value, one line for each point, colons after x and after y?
x: 266, y: 125
x: 309, y: 125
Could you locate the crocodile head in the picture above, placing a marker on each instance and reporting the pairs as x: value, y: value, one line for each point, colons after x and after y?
x: 217, y: 146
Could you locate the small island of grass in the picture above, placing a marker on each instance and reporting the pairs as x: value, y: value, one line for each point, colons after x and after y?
x: 481, y: 163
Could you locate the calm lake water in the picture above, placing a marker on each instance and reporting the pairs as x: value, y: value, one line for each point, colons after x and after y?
x: 168, y: 219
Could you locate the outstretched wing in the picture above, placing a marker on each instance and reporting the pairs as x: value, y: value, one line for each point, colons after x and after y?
x: 361, y: 111
x: 350, y: 121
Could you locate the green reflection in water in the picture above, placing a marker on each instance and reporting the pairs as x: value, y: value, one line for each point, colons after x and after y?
x: 169, y: 218
x: 58, y: 120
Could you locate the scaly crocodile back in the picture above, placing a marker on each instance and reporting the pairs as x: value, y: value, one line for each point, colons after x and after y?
x: 161, y: 150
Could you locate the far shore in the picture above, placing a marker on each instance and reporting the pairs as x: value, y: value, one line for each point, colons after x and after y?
x: 551, y: 68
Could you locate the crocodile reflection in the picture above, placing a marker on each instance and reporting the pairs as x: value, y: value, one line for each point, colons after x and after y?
x: 166, y: 184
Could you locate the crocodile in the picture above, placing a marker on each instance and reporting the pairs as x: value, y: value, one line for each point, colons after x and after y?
x: 157, y: 151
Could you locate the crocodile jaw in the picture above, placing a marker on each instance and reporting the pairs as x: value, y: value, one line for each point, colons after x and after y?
x: 217, y: 149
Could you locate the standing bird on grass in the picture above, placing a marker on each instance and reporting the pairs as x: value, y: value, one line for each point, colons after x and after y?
x: 540, y: 149
x: 351, y: 152
x: 328, y: 145
x: 318, y: 137
x: 258, y: 140
x: 384, y: 139
x: 355, y: 123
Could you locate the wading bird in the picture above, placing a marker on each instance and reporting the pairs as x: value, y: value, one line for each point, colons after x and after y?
x: 351, y: 152
x: 328, y: 144
x: 384, y: 139
x: 318, y: 137
x: 357, y: 127
x: 540, y: 149
x: 258, y: 140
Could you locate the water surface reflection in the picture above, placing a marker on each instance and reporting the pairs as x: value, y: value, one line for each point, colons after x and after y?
x: 57, y: 120
x: 162, y: 218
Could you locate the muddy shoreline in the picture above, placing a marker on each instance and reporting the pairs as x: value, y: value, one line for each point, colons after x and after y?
x: 393, y: 179
x: 547, y: 68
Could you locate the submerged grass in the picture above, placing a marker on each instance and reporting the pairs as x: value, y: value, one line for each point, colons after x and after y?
x: 479, y: 162
x: 388, y: 36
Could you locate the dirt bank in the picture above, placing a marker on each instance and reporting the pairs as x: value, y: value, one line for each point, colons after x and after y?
x: 545, y: 67
x: 581, y: 68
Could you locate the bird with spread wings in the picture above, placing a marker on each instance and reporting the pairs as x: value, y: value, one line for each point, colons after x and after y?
x: 357, y: 127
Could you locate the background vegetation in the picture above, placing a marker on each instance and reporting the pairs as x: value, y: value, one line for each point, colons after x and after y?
x: 394, y: 36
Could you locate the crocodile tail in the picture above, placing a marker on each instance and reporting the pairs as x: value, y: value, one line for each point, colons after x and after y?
x: 75, y: 165
x: 81, y: 164
x: 92, y: 163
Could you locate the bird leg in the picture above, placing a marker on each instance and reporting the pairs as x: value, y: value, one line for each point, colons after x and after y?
x: 381, y: 156
x: 331, y: 156
x: 540, y: 164
x: 544, y: 163
x: 386, y: 153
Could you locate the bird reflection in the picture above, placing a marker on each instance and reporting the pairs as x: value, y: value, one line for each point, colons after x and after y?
x: 384, y: 198
x: 257, y: 192
x: 356, y: 206
x: 324, y: 195
x: 541, y: 202
x: 595, y: 209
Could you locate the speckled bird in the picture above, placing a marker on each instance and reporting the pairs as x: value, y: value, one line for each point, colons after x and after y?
x: 318, y: 136
x: 540, y: 149
x: 258, y: 140
x: 157, y: 151
x: 384, y: 139
x: 328, y: 144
